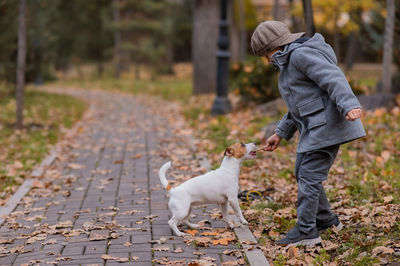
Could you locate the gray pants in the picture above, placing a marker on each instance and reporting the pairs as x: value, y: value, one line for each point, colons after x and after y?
x: 311, y: 169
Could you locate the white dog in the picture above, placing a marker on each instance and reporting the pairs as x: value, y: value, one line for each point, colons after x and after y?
x: 219, y: 187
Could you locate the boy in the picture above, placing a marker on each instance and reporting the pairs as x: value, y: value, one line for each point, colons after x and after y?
x: 322, y: 106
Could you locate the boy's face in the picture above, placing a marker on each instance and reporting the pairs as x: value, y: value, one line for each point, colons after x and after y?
x: 270, y: 53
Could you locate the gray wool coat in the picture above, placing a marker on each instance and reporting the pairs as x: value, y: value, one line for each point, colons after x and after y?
x: 317, y: 94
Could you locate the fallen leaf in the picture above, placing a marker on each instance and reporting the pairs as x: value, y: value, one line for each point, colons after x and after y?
x: 273, y: 234
x: 108, y: 257
x: 127, y: 244
x: 206, y: 233
x: 137, y: 156
x: 385, y: 155
x: 293, y: 252
x: 382, y: 250
x: 164, y: 248
x: 97, y: 237
x: 178, y: 250
x: 192, y: 232
x: 388, y: 199
x: 158, y: 241
x: 76, y: 166
x: 222, y: 241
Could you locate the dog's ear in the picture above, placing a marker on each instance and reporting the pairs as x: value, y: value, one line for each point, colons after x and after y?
x: 228, y: 152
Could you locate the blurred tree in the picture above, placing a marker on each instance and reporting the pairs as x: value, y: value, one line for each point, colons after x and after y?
x: 296, y: 21
x: 308, y: 17
x: 63, y: 33
x: 204, y: 43
x: 182, y: 34
x: 8, y: 39
x: 339, y: 17
x: 21, y: 59
x: 95, y: 40
x: 80, y: 32
x: 117, y: 40
x: 141, y: 26
x: 242, y: 20
x: 372, y: 26
x: 388, y: 47
x: 276, y: 10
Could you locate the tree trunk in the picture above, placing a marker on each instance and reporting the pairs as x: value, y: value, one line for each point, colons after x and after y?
x: 234, y: 30
x: 308, y: 17
x: 21, y: 61
x: 117, y: 40
x: 204, y: 45
x: 276, y: 9
x: 388, y: 48
x: 295, y: 21
x: 237, y: 31
x: 351, y: 52
x: 169, y: 55
x: 242, y: 32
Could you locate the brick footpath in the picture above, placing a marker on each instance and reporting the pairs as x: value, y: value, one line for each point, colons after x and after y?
x: 108, y: 200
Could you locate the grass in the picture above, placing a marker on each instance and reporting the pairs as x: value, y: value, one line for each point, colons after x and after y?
x: 45, y: 115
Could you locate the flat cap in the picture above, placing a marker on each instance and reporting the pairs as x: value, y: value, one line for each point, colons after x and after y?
x: 269, y: 35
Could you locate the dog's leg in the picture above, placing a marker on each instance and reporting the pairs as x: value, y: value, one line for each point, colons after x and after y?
x: 179, y: 212
x: 225, y: 215
x: 187, y: 222
x: 235, y: 206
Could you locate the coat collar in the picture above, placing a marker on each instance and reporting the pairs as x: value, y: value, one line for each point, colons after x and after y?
x: 281, y: 58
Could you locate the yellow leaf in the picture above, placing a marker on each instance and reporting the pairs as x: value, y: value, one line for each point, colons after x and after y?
x: 222, y: 241
x: 192, y: 232
x: 209, y: 234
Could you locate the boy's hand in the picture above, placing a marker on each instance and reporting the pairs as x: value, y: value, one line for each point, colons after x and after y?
x: 272, y: 142
x: 354, y: 114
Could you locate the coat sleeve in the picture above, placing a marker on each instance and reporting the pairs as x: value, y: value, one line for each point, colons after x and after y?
x: 286, y: 127
x: 327, y: 75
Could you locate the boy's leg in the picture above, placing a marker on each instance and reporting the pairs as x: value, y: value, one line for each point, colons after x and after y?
x: 324, y: 213
x: 312, y: 202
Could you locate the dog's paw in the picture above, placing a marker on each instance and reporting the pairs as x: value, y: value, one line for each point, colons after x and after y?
x: 181, y: 234
x: 244, y: 222
x: 194, y: 226
x: 232, y: 225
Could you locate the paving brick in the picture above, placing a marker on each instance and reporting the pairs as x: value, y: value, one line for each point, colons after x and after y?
x: 95, y: 248
x: 8, y: 260
x: 73, y: 250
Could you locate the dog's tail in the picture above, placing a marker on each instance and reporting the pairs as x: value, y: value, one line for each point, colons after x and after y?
x: 162, y: 172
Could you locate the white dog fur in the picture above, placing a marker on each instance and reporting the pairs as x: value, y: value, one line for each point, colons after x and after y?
x: 218, y: 187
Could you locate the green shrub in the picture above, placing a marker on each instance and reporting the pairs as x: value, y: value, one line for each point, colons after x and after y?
x: 255, y: 81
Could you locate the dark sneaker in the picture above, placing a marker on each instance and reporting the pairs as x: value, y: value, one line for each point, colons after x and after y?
x: 335, y: 222
x: 297, y: 238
